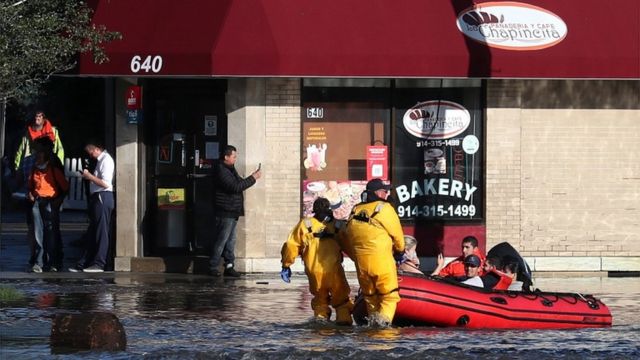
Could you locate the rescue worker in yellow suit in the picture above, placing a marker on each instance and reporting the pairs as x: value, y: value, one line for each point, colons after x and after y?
x: 315, y: 239
x: 372, y: 235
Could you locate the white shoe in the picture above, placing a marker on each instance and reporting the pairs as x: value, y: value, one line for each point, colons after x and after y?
x: 93, y: 269
x: 75, y: 269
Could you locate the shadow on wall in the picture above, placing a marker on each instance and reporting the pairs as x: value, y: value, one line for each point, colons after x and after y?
x: 479, y: 54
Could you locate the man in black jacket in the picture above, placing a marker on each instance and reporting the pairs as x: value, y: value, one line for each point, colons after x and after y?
x: 228, y: 207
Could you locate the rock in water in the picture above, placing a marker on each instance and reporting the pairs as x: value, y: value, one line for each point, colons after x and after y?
x: 95, y: 330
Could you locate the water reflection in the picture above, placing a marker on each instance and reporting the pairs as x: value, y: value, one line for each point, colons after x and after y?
x: 263, y: 317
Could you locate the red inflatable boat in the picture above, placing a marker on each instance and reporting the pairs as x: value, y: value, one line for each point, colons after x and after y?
x: 437, y: 302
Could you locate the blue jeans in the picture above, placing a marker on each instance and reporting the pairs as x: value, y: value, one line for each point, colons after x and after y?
x: 49, y: 213
x: 224, y: 242
x: 34, y: 233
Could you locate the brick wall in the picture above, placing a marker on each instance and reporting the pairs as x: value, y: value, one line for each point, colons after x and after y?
x: 282, y: 176
x: 563, y: 175
x: 503, y: 163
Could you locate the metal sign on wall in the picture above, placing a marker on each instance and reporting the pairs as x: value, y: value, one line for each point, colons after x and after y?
x: 133, y: 98
x: 377, y: 162
x: 437, y: 157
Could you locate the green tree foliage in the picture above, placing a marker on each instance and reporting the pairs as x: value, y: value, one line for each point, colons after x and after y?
x: 39, y: 38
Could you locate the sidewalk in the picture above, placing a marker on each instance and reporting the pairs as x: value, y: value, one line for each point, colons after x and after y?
x: 14, y: 251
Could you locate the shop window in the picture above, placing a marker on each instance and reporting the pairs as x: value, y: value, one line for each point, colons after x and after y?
x: 338, y: 123
x: 433, y: 130
x: 438, y: 150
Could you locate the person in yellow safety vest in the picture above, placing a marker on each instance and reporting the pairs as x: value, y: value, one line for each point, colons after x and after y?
x: 372, y: 235
x: 315, y: 239
x: 40, y: 126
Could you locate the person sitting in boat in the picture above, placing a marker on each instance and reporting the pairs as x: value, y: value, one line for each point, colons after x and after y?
x: 495, y: 277
x: 315, y: 240
x: 490, y: 277
x: 523, y: 280
x: 456, y: 267
x: 472, y: 264
x: 511, y: 271
x: 409, y: 262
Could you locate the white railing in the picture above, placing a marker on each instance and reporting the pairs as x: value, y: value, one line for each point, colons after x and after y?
x: 76, y: 198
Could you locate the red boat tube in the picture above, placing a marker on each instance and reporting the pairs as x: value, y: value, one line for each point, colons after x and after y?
x: 438, y: 302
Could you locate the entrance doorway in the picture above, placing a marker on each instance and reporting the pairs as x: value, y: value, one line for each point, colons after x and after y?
x: 185, y: 125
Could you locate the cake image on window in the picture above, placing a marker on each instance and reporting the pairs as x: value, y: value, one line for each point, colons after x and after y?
x: 316, y: 155
x: 434, y: 161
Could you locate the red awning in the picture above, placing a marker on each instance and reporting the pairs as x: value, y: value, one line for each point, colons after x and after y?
x: 369, y: 38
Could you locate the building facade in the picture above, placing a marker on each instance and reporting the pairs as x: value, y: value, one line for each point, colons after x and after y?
x: 502, y: 122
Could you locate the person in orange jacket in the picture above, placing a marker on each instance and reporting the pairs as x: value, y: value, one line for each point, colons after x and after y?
x: 494, y: 277
x: 315, y: 239
x: 455, y: 268
x: 39, y: 127
x: 508, y: 278
x: 47, y: 188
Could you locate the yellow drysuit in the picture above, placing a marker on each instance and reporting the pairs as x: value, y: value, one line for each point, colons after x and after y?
x: 316, y: 242
x: 372, y: 235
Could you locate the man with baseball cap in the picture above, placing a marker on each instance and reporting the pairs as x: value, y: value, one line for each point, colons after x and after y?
x: 373, y: 233
x: 472, y: 271
x: 377, y: 190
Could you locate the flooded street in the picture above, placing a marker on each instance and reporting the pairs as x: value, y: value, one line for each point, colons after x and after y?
x: 259, y: 316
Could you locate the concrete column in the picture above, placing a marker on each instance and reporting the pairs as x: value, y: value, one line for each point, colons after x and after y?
x: 127, y: 185
x: 245, y: 104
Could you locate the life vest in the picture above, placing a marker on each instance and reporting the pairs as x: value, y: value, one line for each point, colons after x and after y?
x: 363, y: 216
x: 310, y: 236
x: 504, y: 282
x: 47, y: 130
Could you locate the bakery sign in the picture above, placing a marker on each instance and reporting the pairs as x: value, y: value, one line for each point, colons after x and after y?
x: 512, y: 25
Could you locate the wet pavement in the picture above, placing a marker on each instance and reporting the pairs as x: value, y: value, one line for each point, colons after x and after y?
x: 175, y: 316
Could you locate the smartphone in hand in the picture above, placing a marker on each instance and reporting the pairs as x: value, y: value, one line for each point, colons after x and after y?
x: 259, y: 166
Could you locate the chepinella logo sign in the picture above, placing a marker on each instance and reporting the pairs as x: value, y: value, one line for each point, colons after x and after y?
x: 512, y: 25
x: 436, y: 119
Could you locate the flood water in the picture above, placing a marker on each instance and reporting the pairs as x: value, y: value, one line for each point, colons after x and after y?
x: 260, y: 317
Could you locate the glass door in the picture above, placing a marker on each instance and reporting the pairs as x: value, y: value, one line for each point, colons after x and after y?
x: 185, y: 129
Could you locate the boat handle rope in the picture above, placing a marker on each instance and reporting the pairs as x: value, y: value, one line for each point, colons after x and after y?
x: 526, y: 296
x: 575, y: 299
x: 590, y: 301
x: 547, y: 302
